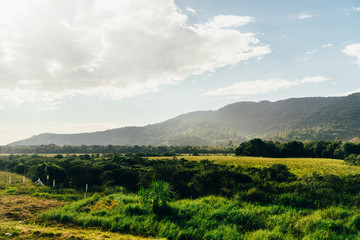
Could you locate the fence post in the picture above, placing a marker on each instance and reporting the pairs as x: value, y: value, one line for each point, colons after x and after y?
x: 54, y: 183
x: 9, y: 179
x: 24, y: 180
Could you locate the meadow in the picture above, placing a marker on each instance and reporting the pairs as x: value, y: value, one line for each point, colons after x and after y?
x: 298, y: 166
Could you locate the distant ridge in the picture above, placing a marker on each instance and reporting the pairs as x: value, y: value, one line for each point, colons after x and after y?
x: 312, y: 118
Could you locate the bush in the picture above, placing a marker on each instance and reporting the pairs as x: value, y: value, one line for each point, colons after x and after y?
x: 157, y: 195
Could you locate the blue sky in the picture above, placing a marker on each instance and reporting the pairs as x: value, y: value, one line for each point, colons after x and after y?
x: 88, y: 65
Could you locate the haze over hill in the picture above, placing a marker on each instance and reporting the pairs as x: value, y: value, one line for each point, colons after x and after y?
x: 314, y: 118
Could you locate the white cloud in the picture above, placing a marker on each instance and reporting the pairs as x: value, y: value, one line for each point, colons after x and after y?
x: 304, y: 16
x: 316, y: 79
x: 190, y: 10
x: 262, y: 86
x: 312, y: 52
x: 253, y: 87
x: 353, y: 50
x: 326, y: 45
x: 113, y: 49
x: 356, y: 9
x: 225, y: 21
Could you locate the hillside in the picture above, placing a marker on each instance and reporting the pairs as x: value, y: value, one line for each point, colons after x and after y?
x: 315, y: 118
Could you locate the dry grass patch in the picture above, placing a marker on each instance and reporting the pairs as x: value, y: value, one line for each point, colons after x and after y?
x: 24, y: 207
x: 57, y: 231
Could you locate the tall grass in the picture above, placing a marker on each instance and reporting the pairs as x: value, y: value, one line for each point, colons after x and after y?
x: 210, y: 218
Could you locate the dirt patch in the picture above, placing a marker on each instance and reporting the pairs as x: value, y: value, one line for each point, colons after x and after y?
x: 24, y: 207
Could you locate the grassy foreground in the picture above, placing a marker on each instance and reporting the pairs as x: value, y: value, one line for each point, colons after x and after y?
x: 210, y: 218
x: 21, y: 203
x: 261, y: 204
x: 298, y: 166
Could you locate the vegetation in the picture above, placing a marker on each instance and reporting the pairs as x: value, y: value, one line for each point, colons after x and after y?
x: 323, y: 149
x: 188, y: 179
x: 21, y: 203
x: 211, y: 218
x: 298, y: 166
x: 142, y: 151
x: 43, y: 231
x: 193, y: 198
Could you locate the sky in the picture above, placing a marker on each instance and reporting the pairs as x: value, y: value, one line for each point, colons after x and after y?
x: 90, y: 65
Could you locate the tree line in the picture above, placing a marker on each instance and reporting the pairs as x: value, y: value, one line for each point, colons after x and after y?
x: 93, y: 149
x: 311, y: 149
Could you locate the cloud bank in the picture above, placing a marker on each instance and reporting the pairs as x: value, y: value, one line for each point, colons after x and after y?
x: 112, y: 49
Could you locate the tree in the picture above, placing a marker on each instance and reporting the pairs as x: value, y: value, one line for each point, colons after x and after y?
x: 257, y: 148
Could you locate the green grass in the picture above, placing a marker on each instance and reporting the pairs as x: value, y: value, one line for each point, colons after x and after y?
x: 16, y: 186
x: 20, y: 204
x: 298, y: 166
x: 210, y: 218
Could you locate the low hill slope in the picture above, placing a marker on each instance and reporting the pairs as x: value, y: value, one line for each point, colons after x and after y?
x: 316, y: 118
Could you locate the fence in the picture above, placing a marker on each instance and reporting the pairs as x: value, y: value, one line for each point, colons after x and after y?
x: 8, y: 179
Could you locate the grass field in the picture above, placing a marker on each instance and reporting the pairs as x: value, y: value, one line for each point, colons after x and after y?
x: 19, y: 209
x: 298, y: 166
x: 211, y: 218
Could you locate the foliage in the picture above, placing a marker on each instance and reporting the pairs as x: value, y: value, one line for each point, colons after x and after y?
x: 95, y: 150
x: 299, y: 166
x: 311, y: 149
x: 192, y: 179
x: 157, y: 196
x: 212, y: 218
x: 217, y: 201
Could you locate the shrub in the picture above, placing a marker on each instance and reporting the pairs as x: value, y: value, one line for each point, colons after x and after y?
x: 157, y: 196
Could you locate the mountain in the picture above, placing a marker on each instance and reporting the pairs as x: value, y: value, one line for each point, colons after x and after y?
x: 313, y: 118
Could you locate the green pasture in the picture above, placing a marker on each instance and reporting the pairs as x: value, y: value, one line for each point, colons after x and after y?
x: 298, y: 166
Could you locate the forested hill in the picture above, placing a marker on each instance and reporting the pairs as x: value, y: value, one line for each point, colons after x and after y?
x: 316, y: 118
